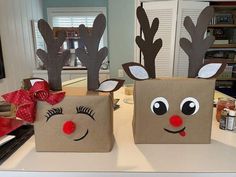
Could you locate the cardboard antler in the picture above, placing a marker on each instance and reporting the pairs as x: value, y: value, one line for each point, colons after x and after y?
x: 146, y: 45
x: 91, y: 57
x: 51, y: 59
x: 197, y: 48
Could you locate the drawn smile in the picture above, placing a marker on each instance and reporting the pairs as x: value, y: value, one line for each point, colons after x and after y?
x: 82, y: 137
x: 178, y: 131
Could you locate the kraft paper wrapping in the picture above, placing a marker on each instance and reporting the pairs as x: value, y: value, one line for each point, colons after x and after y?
x: 148, y: 128
x: 50, y: 137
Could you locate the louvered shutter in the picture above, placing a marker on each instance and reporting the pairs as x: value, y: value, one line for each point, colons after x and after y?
x: 166, y: 12
x: 192, y: 9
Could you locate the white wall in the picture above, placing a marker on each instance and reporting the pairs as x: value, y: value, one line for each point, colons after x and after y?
x: 121, y: 40
x: 17, y: 41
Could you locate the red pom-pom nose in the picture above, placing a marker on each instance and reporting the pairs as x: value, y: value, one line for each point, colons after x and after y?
x: 69, y: 127
x: 176, y: 121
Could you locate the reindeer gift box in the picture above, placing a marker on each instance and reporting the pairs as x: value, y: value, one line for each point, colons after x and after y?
x: 76, y: 119
x: 173, y: 110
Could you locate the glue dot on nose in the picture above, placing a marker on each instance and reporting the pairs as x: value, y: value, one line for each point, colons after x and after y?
x: 69, y: 127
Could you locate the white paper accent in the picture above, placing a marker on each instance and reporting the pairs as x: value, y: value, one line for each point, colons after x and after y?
x: 209, y: 70
x: 34, y: 80
x: 5, y: 139
x: 108, y: 86
x: 139, y: 72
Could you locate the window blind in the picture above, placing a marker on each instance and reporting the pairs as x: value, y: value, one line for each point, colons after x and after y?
x: 72, y: 21
x: 75, y: 20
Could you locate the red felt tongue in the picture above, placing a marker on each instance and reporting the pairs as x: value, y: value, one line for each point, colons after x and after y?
x: 183, y: 133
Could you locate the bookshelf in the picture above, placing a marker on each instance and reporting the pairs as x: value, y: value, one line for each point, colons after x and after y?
x: 223, y: 27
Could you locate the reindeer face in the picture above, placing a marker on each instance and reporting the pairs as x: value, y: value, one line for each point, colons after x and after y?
x: 78, y: 123
x: 173, y: 110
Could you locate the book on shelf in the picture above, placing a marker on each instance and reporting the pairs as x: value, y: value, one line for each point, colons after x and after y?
x: 221, y: 41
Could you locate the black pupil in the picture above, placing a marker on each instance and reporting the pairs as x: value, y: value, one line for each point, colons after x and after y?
x: 188, y: 108
x: 159, y: 108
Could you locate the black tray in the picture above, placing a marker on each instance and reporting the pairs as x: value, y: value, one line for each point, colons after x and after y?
x: 22, y: 134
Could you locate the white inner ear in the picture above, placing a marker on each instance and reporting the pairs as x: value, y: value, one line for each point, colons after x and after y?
x: 34, y: 80
x: 209, y: 70
x: 108, y: 86
x: 139, y: 72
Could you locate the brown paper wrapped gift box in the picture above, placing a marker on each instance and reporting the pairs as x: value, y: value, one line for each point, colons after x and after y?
x: 83, y: 120
x: 49, y: 135
x: 148, y: 128
x: 174, y: 110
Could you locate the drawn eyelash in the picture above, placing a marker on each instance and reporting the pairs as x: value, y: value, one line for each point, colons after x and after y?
x: 52, y: 112
x: 85, y: 110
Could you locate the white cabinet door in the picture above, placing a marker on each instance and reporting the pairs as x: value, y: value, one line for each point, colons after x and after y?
x: 77, y: 75
x: 103, y: 76
x: 171, y: 60
x: 186, y: 8
x: 41, y: 75
x: 166, y: 12
x: 44, y: 75
x: 65, y: 77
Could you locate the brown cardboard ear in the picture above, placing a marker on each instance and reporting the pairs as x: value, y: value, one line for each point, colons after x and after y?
x: 91, y: 57
x: 52, y: 60
x: 135, y: 71
x: 211, y: 70
x: 197, y: 48
x: 110, y: 85
x: 148, y: 47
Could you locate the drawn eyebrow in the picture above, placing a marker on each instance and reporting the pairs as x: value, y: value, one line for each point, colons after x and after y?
x: 52, y: 112
x: 85, y: 110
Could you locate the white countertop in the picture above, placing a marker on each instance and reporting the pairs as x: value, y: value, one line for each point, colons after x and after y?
x: 129, y: 159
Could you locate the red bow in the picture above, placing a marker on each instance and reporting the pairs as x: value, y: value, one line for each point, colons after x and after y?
x: 26, y: 100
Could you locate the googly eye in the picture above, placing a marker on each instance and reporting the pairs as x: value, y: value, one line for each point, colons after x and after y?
x: 189, y: 106
x: 159, y: 106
